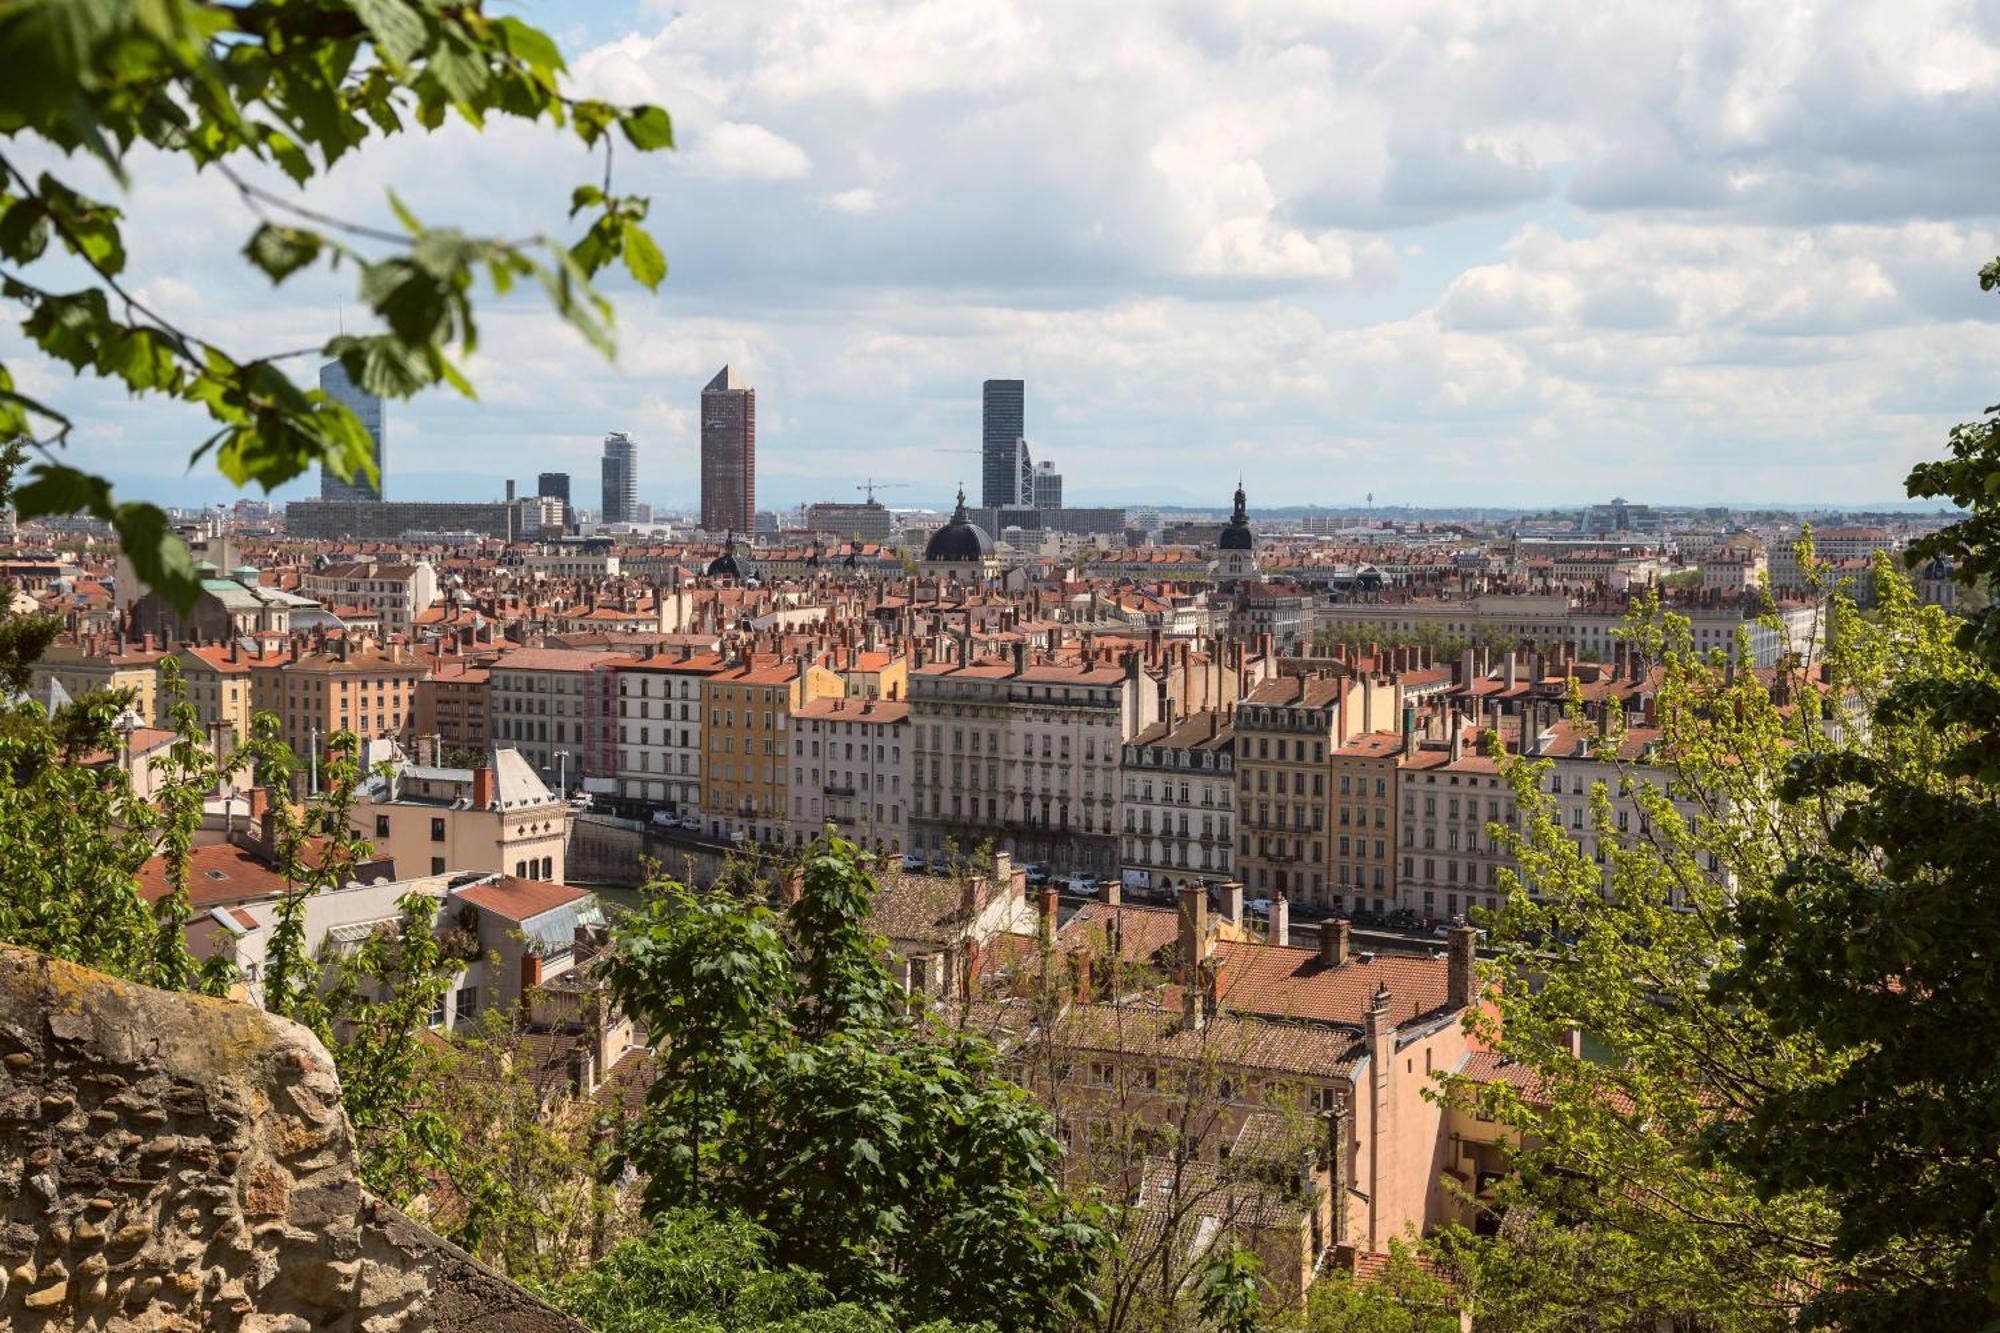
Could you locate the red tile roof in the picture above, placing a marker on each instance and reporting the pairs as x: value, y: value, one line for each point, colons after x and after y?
x: 519, y: 899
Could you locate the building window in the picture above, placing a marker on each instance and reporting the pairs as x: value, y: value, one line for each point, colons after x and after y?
x: 465, y: 1005
x: 381, y: 826
x: 437, y: 830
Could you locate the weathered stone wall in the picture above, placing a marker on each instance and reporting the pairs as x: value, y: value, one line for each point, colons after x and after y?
x: 175, y: 1163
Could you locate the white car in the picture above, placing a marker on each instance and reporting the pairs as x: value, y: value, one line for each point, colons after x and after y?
x: 1082, y: 885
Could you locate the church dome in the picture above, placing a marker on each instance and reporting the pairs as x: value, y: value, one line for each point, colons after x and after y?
x: 959, y: 540
x: 1236, y: 534
x: 724, y: 566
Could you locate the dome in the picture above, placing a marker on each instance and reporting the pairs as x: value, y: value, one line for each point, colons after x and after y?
x: 724, y: 566
x: 1236, y: 534
x: 959, y: 540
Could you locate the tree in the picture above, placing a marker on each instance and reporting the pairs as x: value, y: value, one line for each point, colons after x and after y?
x: 872, y: 1147
x: 697, y: 1272
x: 1626, y: 1201
x: 236, y: 89
x: 1879, y: 948
x: 1406, y: 1297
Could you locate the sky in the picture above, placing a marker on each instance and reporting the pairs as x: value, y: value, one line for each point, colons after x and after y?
x: 1499, y: 252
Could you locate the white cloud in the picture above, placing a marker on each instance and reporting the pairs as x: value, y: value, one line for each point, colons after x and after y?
x: 733, y: 150
x: 1438, y: 250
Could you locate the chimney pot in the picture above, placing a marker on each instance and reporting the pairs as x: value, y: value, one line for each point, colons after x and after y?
x: 1335, y: 940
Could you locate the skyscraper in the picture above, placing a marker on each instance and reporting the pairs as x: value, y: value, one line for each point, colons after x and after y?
x: 729, y: 454
x: 621, y: 477
x: 333, y: 382
x: 1048, y: 486
x: 555, y: 485
x: 1003, y: 428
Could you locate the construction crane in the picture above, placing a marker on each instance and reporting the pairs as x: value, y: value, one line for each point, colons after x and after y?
x: 871, y: 485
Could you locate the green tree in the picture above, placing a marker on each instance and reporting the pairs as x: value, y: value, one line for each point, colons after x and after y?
x: 697, y: 1272
x: 873, y: 1147
x: 1879, y: 948
x: 233, y: 89
x: 1405, y: 1297
x: 1624, y: 1205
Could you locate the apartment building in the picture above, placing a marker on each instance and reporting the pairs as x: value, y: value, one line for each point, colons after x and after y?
x: 455, y: 705
x: 498, y: 817
x: 344, y: 687
x: 1179, y: 802
x: 1361, y: 779
x: 395, y: 593
x: 745, y: 770
x: 105, y: 664
x: 557, y: 706
x: 851, y: 766
x: 217, y: 680
x: 1025, y: 754
x: 1449, y: 795
x: 659, y: 727
x: 1715, y: 621
x: 1285, y: 728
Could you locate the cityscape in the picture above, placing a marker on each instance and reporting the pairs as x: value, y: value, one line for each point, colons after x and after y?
x: 1301, y: 871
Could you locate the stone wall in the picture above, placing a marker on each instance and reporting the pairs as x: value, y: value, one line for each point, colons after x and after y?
x: 173, y: 1163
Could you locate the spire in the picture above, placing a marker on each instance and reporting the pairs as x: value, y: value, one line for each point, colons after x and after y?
x: 1241, y: 514
x: 958, y: 515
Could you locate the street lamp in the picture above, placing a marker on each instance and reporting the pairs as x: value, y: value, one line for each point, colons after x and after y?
x: 562, y: 773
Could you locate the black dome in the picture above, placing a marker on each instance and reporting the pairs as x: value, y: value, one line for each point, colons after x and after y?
x: 724, y: 566
x: 959, y: 540
x: 1236, y: 534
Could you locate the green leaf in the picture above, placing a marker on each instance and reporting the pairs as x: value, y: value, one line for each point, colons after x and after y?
x: 397, y: 29
x: 648, y: 128
x: 643, y: 258
x: 282, y: 251
x: 157, y: 554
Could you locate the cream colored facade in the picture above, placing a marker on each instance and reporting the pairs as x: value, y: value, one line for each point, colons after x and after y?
x: 851, y: 764
x: 501, y: 818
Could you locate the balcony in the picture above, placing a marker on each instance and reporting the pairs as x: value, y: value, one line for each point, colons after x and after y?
x: 834, y: 789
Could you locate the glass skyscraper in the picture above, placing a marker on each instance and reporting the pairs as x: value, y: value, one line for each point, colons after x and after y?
x: 621, y: 478
x: 1003, y: 425
x: 335, y: 384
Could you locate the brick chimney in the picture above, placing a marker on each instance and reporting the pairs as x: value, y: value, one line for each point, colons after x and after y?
x: 1336, y: 936
x: 1193, y: 933
x: 482, y: 787
x: 1460, y: 966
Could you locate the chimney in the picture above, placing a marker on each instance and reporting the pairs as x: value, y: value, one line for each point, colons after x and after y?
x: 531, y: 972
x: 1193, y: 933
x: 1232, y: 902
x: 482, y: 786
x: 1080, y: 971
x: 1457, y: 735
x: 1048, y: 914
x: 1460, y: 966
x: 1280, y: 929
x: 1114, y: 892
x: 1337, y: 1169
x: 1335, y: 936
x: 1409, y: 730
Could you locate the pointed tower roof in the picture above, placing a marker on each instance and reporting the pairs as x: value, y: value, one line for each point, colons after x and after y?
x: 725, y: 380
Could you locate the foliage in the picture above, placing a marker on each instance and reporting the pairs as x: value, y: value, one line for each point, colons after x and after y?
x: 530, y: 1201
x: 239, y: 89
x: 1229, y: 1294
x: 1878, y: 946
x: 1444, y: 646
x: 696, y: 1272
x: 872, y: 1147
x: 1620, y: 1208
x: 1405, y: 1297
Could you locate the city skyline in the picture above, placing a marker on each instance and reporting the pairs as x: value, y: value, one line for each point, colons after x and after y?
x: 1665, y: 282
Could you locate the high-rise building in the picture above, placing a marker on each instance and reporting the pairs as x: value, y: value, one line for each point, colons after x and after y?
x: 334, y: 382
x: 729, y: 454
x: 1002, y: 442
x: 621, y: 478
x: 1048, y: 486
x: 554, y: 485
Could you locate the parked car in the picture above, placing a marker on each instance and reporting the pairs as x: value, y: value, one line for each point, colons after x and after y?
x: 692, y: 823
x: 1261, y: 906
x: 662, y: 819
x: 913, y: 863
x: 1037, y: 875
x: 1081, y: 885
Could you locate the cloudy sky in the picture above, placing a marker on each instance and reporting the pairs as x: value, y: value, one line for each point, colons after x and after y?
x: 1471, y: 251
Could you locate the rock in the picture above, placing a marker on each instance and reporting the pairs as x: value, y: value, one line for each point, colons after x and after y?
x: 48, y: 1298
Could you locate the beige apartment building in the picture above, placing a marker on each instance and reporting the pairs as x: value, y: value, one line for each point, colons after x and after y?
x: 746, y: 773
x: 396, y: 594
x: 106, y: 664
x: 851, y: 764
x: 498, y: 818
x: 1284, y: 729
x: 659, y: 727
